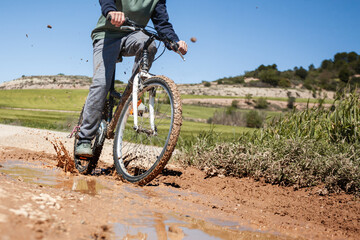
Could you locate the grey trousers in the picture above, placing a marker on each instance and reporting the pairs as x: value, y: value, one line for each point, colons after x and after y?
x: 106, y: 53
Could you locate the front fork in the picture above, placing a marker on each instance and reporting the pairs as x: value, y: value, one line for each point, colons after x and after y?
x: 139, y: 78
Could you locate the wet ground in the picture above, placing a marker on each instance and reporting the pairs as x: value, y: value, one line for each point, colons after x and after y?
x: 145, y: 222
x: 41, y: 201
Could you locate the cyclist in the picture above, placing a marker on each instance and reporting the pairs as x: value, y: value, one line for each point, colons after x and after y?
x: 109, y: 42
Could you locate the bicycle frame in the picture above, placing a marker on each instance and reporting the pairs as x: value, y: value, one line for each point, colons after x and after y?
x: 132, y: 88
x: 139, y: 76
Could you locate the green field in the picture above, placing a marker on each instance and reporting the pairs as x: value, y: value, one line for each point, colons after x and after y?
x: 39, y: 119
x: 55, y: 99
x: 73, y: 100
x: 202, y: 112
x: 299, y: 100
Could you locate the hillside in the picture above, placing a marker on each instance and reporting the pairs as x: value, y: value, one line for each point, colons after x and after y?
x: 48, y: 82
x: 332, y: 74
x: 212, y: 89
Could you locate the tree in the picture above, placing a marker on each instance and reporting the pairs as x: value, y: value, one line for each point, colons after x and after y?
x: 357, y: 67
x: 311, y: 67
x: 352, y: 57
x: 343, y: 56
x: 301, y: 72
x: 270, y: 76
x: 340, y: 64
x: 327, y: 65
x: 344, y: 74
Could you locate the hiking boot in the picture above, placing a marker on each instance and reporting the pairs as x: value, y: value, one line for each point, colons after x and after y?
x: 83, y: 148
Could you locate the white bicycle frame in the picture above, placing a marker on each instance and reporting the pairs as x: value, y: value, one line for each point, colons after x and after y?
x: 141, y: 76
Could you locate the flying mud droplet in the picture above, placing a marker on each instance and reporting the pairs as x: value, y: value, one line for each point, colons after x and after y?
x: 27, y: 35
x: 193, y: 39
x: 49, y: 26
x: 64, y: 159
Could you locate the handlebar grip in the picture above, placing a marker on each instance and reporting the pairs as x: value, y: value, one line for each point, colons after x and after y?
x: 127, y: 21
x: 174, y: 46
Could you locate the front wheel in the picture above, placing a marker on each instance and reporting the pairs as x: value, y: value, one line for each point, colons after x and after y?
x: 141, y: 152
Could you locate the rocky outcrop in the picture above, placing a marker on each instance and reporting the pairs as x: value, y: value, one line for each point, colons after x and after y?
x: 48, y: 82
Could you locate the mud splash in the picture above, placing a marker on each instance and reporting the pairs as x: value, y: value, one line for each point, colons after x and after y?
x: 64, y: 160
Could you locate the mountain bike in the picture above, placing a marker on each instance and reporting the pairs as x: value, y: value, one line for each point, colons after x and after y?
x: 145, y: 124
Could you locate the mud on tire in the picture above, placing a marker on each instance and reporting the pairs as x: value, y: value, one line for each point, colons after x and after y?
x: 139, y: 156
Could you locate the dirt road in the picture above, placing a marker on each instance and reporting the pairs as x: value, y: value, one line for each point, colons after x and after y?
x: 40, y: 201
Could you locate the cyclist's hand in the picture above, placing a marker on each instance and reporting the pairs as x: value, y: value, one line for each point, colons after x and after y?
x: 117, y: 18
x: 183, y: 48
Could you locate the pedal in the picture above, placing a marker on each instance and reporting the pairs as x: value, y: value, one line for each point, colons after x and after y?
x: 84, y: 158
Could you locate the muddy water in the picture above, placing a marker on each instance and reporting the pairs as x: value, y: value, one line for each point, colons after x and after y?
x: 36, y: 173
x: 143, y: 223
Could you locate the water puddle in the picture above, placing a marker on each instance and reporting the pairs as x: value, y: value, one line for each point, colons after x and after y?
x: 137, y: 222
x: 36, y: 173
x: 173, y: 227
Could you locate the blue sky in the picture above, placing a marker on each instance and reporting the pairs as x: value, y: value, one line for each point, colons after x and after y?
x: 233, y: 36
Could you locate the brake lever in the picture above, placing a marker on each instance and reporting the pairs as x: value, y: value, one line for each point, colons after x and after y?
x: 182, y: 57
x: 175, y: 47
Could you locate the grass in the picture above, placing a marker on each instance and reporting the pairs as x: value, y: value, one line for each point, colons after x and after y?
x: 301, y: 149
x: 63, y: 99
x: 299, y: 100
x: 190, y: 130
x: 66, y: 121
x: 54, y: 99
x: 39, y: 119
x: 203, y: 112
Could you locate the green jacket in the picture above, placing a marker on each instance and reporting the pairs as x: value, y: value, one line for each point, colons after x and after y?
x: 139, y: 11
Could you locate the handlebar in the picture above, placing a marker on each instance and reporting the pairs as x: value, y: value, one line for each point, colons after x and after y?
x: 133, y: 26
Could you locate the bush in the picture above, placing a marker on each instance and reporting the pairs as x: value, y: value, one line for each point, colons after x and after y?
x: 344, y: 74
x: 234, y: 103
x: 284, y: 83
x: 290, y: 102
x: 355, y: 81
x: 259, y: 84
x: 261, y: 103
x: 270, y: 76
x: 248, y: 97
x: 229, y: 117
x: 254, y: 119
x: 301, y: 72
x: 301, y: 149
x: 207, y: 84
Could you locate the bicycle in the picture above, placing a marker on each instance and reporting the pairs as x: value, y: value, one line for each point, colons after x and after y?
x: 145, y: 125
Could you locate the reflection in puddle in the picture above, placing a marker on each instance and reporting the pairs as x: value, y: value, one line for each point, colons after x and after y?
x: 159, y: 226
x: 30, y: 172
x: 35, y: 173
x: 88, y: 186
x: 141, y: 222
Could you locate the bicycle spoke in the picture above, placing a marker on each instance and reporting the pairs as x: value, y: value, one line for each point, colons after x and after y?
x: 140, y: 150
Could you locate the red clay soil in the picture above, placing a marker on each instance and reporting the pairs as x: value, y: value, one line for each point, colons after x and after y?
x: 300, y: 214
